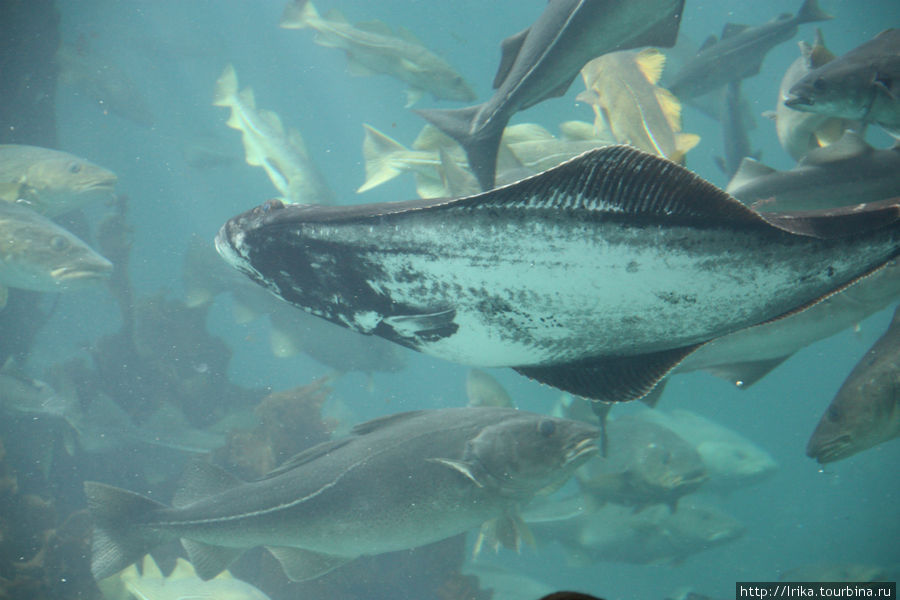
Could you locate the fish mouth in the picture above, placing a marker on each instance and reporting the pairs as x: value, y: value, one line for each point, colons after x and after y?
x: 70, y: 274
x: 832, y: 450
x: 583, y: 449
x: 798, y: 100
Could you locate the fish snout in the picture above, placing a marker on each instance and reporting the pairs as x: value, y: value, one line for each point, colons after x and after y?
x: 798, y: 100
x: 831, y: 450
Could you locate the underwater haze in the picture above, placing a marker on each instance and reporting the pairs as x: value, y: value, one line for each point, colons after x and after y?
x: 179, y: 357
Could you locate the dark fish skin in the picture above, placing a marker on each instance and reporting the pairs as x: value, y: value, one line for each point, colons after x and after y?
x: 866, y: 410
x: 542, y: 61
x: 521, y: 276
x: 739, y: 53
x: 863, y: 84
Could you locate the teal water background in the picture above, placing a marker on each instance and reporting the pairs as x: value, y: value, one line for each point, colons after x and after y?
x: 174, y: 51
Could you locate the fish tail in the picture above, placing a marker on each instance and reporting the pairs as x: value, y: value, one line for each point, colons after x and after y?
x: 298, y: 14
x: 226, y: 87
x: 377, y: 151
x: 119, y: 538
x: 481, y: 146
x: 811, y: 11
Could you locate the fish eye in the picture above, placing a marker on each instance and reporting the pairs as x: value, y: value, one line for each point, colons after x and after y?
x: 546, y: 428
x: 834, y: 413
x: 58, y: 243
x: 819, y: 85
x: 75, y: 167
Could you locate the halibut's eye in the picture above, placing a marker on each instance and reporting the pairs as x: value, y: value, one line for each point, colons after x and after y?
x: 58, y: 243
x: 547, y: 428
x: 75, y: 167
x: 819, y: 85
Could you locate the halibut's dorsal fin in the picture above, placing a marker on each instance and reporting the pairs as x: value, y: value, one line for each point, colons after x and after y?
x: 611, y: 379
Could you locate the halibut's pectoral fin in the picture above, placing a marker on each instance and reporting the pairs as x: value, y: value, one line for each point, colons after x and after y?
x: 745, y: 374
x: 201, y: 480
x: 610, y: 379
x: 301, y: 565
x: 209, y: 560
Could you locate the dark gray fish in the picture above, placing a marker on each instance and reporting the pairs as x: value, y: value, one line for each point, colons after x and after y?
x: 735, y: 139
x: 542, y: 61
x: 866, y: 410
x: 739, y: 53
x: 569, y: 596
x: 863, y: 84
x: 848, y: 172
x: 597, y: 276
x: 396, y: 482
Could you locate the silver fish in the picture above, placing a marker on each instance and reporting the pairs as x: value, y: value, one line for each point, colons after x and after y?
x: 863, y: 84
x: 739, y: 53
x: 558, y: 275
x: 866, y: 410
x: 396, y: 482
x: 542, y: 61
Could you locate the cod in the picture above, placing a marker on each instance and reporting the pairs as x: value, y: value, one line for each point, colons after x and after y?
x: 396, y: 482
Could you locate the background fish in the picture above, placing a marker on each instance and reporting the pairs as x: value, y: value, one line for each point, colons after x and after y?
x: 49, y: 181
x: 622, y: 90
x: 866, y: 410
x: 267, y: 144
x: 397, y: 482
x: 374, y: 47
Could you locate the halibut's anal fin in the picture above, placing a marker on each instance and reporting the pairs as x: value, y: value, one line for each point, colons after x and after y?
x: 610, y: 379
x: 300, y: 565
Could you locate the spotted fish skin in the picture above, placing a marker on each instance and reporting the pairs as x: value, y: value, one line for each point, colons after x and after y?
x: 597, y: 276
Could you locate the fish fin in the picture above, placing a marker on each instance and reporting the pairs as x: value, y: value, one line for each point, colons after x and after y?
x: 652, y: 399
x: 508, y: 530
x: 709, y: 42
x: 745, y: 374
x: 149, y: 568
x: 720, y: 162
x: 336, y: 16
x: 183, y: 570
x: 201, y: 480
x: 242, y: 312
x: 663, y: 34
x: 810, y: 11
x: 413, y: 95
x: 611, y: 379
x: 209, y: 560
x: 670, y: 106
x: 300, y: 565
x: 407, y: 36
x: 432, y: 138
x: 295, y: 141
x: 118, y: 540
x: 556, y: 92
x: 770, y: 115
x: 651, y: 63
x: 836, y: 223
x: 459, y: 466
x: 818, y: 54
x: 226, y: 87
x: 731, y: 29
x: 378, y: 153
x: 850, y: 145
x: 456, y: 180
x: 247, y: 97
x: 356, y: 67
x: 525, y: 132
x: 748, y: 170
x: 272, y: 120
x: 509, y: 51
x: 298, y: 14
x: 588, y: 96
x: 424, y: 327
x: 829, y: 132
x: 481, y: 148
x: 683, y: 143
x: 429, y: 187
